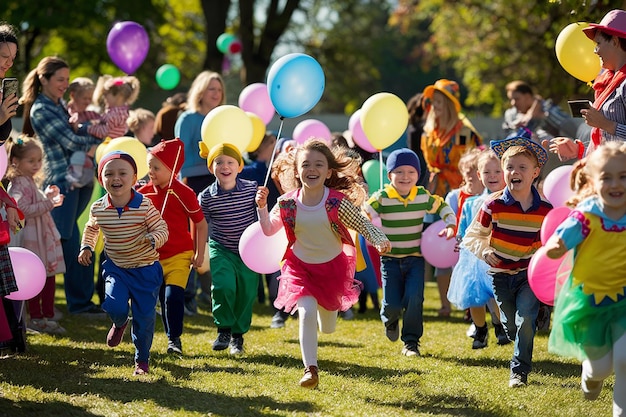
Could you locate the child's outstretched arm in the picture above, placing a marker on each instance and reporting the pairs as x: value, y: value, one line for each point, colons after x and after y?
x: 88, y: 243
x: 270, y: 223
x: 352, y: 218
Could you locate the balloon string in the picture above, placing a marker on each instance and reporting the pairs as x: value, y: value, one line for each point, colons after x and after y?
x: 269, y: 166
x: 380, y: 159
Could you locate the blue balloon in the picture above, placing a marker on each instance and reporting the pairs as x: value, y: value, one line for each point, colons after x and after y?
x: 295, y: 84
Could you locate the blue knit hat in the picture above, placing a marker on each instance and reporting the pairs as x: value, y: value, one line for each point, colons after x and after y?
x: 403, y: 156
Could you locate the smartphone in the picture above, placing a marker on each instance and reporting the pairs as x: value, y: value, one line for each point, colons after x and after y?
x: 575, y: 106
x: 9, y: 86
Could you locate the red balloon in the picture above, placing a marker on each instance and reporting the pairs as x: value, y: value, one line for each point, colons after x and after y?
x: 234, y: 47
x: 552, y: 220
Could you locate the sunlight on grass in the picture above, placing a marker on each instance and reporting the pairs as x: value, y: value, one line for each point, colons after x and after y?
x: 361, y: 374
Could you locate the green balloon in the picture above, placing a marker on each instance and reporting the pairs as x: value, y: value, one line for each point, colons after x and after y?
x: 371, y: 174
x: 224, y: 41
x: 167, y: 76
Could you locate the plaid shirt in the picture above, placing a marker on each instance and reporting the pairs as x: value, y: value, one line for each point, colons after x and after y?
x: 50, y: 121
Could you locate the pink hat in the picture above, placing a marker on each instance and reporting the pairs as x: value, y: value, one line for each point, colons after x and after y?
x: 613, y: 23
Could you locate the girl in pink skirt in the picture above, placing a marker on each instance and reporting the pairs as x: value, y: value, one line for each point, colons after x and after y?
x: 317, y: 277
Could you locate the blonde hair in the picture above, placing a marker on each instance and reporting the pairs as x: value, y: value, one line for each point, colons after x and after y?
x: 520, y: 150
x: 445, y: 120
x: 17, y: 150
x: 199, y: 86
x: 469, y: 159
x: 486, y: 156
x: 127, y: 87
x: 80, y: 84
x: 579, y: 183
x: 137, y: 118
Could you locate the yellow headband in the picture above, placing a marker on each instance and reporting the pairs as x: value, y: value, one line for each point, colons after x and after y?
x: 220, y: 149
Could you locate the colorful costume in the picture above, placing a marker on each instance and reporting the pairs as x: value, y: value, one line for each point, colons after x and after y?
x: 590, y: 311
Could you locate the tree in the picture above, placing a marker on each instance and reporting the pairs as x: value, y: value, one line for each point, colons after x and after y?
x: 492, y: 43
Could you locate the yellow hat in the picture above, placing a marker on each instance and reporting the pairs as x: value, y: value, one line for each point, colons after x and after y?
x: 220, y: 149
x: 447, y: 87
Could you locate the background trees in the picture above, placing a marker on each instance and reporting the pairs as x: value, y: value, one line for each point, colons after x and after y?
x: 364, y: 46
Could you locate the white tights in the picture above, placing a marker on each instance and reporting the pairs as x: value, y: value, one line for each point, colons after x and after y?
x: 309, y: 315
x: 600, y: 369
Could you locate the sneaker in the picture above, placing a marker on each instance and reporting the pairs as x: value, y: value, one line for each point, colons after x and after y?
x: 481, y: 337
x: 591, y: 389
x: 518, y: 380
x: 55, y: 328
x: 44, y: 325
x: 392, y: 331
x: 347, y: 315
x: 236, y: 345
x: 93, y: 312
x: 500, y: 332
x: 175, y: 346
x: 278, y: 321
x: 410, y: 349
x: 471, y: 330
x: 141, y: 368
x: 311, y: 378
x: 222, y: 341
x: 115, y: 335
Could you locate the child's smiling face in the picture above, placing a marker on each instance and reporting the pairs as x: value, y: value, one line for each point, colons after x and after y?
x: 519, y: 172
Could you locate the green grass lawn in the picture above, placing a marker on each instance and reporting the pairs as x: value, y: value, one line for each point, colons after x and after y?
x: 361, y: 374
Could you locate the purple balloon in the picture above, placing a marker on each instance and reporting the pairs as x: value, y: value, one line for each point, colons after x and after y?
x: 128, y: 44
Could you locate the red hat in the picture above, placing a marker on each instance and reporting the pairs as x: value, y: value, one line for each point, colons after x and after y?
x: 613, y: 23
x: 170, y: 152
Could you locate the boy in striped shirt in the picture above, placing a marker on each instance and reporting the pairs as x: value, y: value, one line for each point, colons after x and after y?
x: 505, y: 234
x: 133, y: 230
x: 401, y: 206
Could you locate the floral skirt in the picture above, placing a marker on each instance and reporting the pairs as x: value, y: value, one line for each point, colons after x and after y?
x: 331, y: 283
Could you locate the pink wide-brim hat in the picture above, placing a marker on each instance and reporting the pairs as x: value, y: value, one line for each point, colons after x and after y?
x: 613, y: 23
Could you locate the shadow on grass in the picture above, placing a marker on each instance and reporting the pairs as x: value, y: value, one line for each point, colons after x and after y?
x: 78, y: 377
x: 441, y: 405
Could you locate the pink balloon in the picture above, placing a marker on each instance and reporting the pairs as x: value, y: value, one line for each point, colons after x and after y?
x: 437, y: 250
x: 4, y: 161
x: 552, y: 220
x: 556, y: 186
x: 311, y: 128
x: 30, y: 274
x: 255, y: 99
x: 358, y: 135
x: 546, y: 275
x: 262, y: 253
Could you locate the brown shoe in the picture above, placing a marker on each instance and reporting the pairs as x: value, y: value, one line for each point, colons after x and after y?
x: 310, y: 378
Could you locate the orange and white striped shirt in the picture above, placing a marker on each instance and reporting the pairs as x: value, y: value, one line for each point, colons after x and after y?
x: 127, y: 231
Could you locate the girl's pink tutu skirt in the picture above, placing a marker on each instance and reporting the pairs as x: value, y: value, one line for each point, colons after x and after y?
x: 331, y: 283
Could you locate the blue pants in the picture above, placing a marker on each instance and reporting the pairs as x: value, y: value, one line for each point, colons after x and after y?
x: 78, y: 283
x: 140, y: 286
x: 403, y: 295
x: 519, y: 308
x: 172, y: 298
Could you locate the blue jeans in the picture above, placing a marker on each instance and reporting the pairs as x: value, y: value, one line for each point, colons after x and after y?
x: 519, y: 308
x: 139, y: 287
x: 403, y: 295
x: 78, y: 282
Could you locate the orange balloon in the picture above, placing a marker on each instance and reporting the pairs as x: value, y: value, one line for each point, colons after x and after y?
x: 575, y: 52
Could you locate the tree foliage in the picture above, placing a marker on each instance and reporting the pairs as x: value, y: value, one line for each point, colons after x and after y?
x: 494, y: 42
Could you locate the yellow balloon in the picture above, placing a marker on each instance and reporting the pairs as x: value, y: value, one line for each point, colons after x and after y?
x: 574, y: 50
x: 134, y: 148
x: 101, y: 149
x: 384, y: 118
x: 227, y: 124
x: 258, y: 132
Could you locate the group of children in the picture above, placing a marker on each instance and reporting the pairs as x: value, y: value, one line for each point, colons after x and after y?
x: 500, y: 229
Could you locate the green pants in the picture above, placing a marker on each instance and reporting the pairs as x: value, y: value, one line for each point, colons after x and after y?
x: 234, y: 289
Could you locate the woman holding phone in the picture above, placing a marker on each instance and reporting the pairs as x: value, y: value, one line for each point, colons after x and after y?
x: 607, y: 115
x: 8, y: 52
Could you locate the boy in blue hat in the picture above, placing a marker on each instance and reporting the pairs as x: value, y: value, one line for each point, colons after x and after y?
x: 401, y: 206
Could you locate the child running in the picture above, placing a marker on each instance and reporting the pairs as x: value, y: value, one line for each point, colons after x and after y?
x: 401, y: 206
x: 133, y: 230
x: 228, y: 207
x: 317, y: 277
x: 505, y: 233
x: 590, y: 311
x: 40, y: 234
x: 178, y: 206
